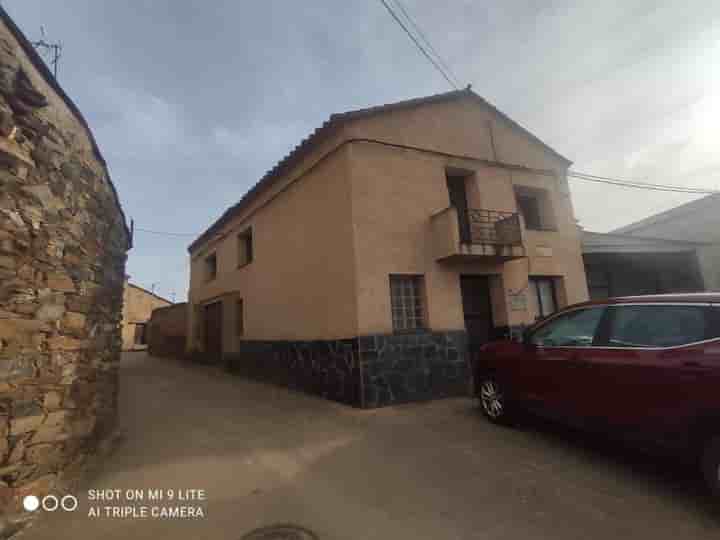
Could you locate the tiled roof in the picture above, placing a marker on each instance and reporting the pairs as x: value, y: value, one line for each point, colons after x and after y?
x: 335, y: 120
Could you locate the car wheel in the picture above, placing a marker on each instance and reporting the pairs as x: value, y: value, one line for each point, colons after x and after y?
x: 493, y: 400
x: 711, y: 465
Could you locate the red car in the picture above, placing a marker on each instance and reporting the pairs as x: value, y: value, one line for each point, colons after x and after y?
x: 645, y: 369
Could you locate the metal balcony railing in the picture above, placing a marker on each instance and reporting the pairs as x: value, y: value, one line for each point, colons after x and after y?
x: 493, y: 227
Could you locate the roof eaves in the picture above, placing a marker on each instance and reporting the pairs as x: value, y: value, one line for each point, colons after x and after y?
x: 336, y: 120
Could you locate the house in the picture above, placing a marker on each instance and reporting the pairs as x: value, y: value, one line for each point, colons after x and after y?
x: 138, y: 305
x: 367, y: 262
x: 673, y: 251
x: 167, y: 331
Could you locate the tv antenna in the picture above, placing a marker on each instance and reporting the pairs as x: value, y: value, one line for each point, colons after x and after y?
x: 51, y: 51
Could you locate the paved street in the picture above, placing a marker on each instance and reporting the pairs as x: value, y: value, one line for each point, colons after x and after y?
x: 437, y: 470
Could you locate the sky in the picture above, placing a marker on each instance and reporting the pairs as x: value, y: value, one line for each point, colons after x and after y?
x: 192, y: 101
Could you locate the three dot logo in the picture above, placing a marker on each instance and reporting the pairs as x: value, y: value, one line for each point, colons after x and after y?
x: 50, y: 503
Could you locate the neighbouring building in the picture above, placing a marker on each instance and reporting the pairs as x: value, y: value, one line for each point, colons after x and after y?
x: 63, y: 243
x: 673, y: 251
x: 364, y: 265
x: 138, y: 305
x: 167, y: 331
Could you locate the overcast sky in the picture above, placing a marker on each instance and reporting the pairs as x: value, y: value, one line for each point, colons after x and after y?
x: 192, y: 101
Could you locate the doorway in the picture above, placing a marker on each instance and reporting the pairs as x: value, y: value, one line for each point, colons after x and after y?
x: 458, y: 199
x: 213, y: 331
x: 477, y: 309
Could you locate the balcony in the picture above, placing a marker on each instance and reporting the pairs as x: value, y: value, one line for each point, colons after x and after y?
x: 481, y: 234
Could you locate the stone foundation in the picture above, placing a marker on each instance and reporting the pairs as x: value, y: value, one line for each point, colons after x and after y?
x: 369, y: 371
x: 324, y: 368
x: 62, y: 258
x: 413, y: 367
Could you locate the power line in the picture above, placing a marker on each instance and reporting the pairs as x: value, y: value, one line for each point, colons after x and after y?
x: 164, y: 232
x: 424, y: 38
x: 418, y: 45
x: 640, y: 185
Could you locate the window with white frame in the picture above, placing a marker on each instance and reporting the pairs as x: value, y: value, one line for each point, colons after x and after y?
x: 542, y: 297
x: 406, y: 299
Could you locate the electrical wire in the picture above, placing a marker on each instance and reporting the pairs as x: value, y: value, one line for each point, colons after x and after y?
x: 640, y: 185
x: 164, y: 232
x: 419, y: 45
x: 424, y: 38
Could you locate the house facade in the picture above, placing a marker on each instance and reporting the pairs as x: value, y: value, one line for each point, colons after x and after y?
x: 138, y: 305
x: 391, y: 241
x: 673, y: 251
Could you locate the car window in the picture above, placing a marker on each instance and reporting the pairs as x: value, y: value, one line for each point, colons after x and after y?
x: 714, y: 323
x: 573, y: 329
x: 656, y: 326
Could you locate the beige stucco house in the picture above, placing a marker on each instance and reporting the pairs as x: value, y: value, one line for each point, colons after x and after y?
x: 364, y: 264
x: 138, y: 305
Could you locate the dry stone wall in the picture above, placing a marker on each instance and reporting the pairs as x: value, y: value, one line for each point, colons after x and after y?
x: 63, y: 243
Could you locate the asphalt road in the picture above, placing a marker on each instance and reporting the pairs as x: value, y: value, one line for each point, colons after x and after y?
x: 246, y: 455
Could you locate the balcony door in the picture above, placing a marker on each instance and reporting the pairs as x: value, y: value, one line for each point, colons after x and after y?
x: 477, y: 309
x: 458, y: 199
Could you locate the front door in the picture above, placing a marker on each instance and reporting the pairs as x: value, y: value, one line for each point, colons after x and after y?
x: 477, y: 309
x: 213, y: 331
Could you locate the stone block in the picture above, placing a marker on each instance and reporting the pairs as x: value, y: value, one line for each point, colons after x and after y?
x: 56, y: 418
x: 7, y: 262
x: 60, y: 282
x: 52, y: 400
x: 52, y: 433
x: 16, y: 454
x: 50, y: 312
x: 24, y: 424
x: 16, y: 367
x: 66, y: 343
x: 75, y: 320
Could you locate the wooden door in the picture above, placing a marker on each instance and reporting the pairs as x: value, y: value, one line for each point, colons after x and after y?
x: 477, y: 309
x: 213, y: 331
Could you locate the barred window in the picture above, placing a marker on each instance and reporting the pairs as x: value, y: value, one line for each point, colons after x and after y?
x: 406, y: 299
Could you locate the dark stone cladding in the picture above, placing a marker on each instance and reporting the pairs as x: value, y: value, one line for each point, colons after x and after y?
x: 400, y: 368
x: 330, y: 369
x: 368, y: 371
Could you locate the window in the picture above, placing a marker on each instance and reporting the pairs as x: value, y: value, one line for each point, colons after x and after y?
x: 536, y: 209
x: 530, y: 209
x: 240, y: 317
x: 245, y: 248
x: 598, y: 283
x: 211, y: 267
x: 657, y: 325
x: 140, y: 334
x: 406, y: 299
x: 542, y: 301
x: 573, y: 329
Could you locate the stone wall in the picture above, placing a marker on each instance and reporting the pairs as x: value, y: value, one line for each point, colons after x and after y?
x: 63, y: 241
x: 167, y: 331
x: 329, y: 369
x: 368, y: 371
x: 398, y: 368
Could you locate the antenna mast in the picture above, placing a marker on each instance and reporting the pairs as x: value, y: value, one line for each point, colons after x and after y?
x: 53, y: 51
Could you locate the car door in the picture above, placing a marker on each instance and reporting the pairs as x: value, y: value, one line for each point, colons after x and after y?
x: 553, y: 380
x: 650, y: 367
